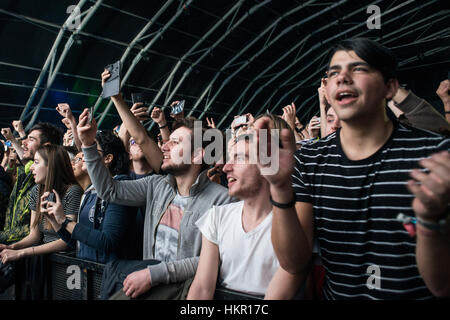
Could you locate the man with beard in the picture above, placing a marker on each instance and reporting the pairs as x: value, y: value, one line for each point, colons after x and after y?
x: 17, y: 220
x: 173, y: 204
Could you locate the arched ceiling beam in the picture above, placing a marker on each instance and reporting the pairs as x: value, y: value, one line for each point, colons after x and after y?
x: 208, y: 51
x: 50, y: 60
x: 235, y: 9
x: 144, y: 50
x: 250, y: 44
x: 134, y: 42
x: 318, y: 46
x: 260, y: 88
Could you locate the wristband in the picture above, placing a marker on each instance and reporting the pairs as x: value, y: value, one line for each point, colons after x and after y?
x: 440, y: 226
x: 162, y: 127
x: 64, y: 224
x: 288, y: 205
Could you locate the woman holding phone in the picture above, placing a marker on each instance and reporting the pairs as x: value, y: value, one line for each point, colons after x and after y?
x: 51, y: 170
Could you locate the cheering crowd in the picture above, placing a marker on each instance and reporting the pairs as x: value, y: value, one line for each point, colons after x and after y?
x: 357, y: 208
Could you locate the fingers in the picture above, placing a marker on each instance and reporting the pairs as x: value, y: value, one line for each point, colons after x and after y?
x: 82, y: 120
x: 432, y: 189
x: 105, y: 75
x: 57, y: 197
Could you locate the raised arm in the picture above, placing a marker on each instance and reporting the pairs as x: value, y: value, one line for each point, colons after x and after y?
x: 291, y: 227
x: 152, y: 153
x: 322, y: 106
x: 431, y: 205
x: 128, y: 193
x: 158, y: 116
x: 289, y: 113
x: 443, y: 93
x: 66, y: 112
x: 419, y: 112
x: 17, y: 145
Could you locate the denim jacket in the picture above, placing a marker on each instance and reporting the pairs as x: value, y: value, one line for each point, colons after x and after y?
x: 105, y: 231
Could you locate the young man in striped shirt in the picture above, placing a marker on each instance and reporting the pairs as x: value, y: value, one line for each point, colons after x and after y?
x: 347, y: 190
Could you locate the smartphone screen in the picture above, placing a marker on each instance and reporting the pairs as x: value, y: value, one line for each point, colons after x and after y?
x: 240, y: 120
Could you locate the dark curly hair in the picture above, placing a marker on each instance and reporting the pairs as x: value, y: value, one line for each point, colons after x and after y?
x: 111, y: 144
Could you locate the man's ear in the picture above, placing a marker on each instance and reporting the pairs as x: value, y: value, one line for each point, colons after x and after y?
x: 108, y: 159
x: 392, y: 87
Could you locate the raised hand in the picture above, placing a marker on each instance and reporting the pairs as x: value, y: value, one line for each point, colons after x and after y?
x: 210, y: 123
x: 158, y: 116
x: 64, y: 110
x: 140, y: 111
x: 66, y: 122
x: 6, y: 132
x: 282, y: 176
x: 86, y: 131
x: 289, y: 115
x: 314, y: 127
x: 443, y: 90
x: 18, y: 126
x: 432, y: 189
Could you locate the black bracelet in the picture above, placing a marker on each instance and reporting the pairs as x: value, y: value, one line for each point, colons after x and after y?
x: 64, y: 224
x: 284, y: 205
x: 162, y: 127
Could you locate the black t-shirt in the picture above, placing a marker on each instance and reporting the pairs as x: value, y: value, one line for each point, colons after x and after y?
x: 355, y: 205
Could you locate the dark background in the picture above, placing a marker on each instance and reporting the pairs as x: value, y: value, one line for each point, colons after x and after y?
x: 250, y: 67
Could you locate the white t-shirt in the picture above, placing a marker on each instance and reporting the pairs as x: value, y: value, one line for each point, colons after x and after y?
x: 248, y: 261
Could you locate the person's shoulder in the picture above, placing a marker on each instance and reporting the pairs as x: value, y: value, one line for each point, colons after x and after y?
x: 311, y: 150
x: 418, y: 137
x: 226, y: 210
x: 74, y: 189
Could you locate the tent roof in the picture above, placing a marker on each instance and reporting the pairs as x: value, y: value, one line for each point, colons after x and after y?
x: 223, y: 57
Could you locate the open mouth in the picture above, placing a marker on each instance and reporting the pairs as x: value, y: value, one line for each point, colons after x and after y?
x: 345, y: 97
x: 230, y: 180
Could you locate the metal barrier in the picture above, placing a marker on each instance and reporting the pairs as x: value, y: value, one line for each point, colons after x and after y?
x: 72, y: 278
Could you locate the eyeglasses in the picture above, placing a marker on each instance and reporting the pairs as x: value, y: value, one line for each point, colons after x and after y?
x: 132, y: 142
x: 76, y: 160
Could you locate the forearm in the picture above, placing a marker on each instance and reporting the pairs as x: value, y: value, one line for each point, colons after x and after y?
x: 289, y: 239
x: 198, y: 291
x: 323, y: 120
x: 132, y: 124
x: 284, y: 285
x: 51, y: 247
x: 165, y: 134
x: 129, y: 193
x: 420, y: 113
x: 433, y: 260
x: 174, y: 271
x: 447, y: 110
x: 76, y: 138
x: 18, y: 147
x: 124, y: 136
x: 30, y: 240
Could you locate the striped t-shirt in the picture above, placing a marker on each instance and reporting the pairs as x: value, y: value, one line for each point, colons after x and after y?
x: 355, y: 206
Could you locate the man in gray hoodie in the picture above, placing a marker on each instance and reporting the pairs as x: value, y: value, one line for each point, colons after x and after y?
x: 173, y: 202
